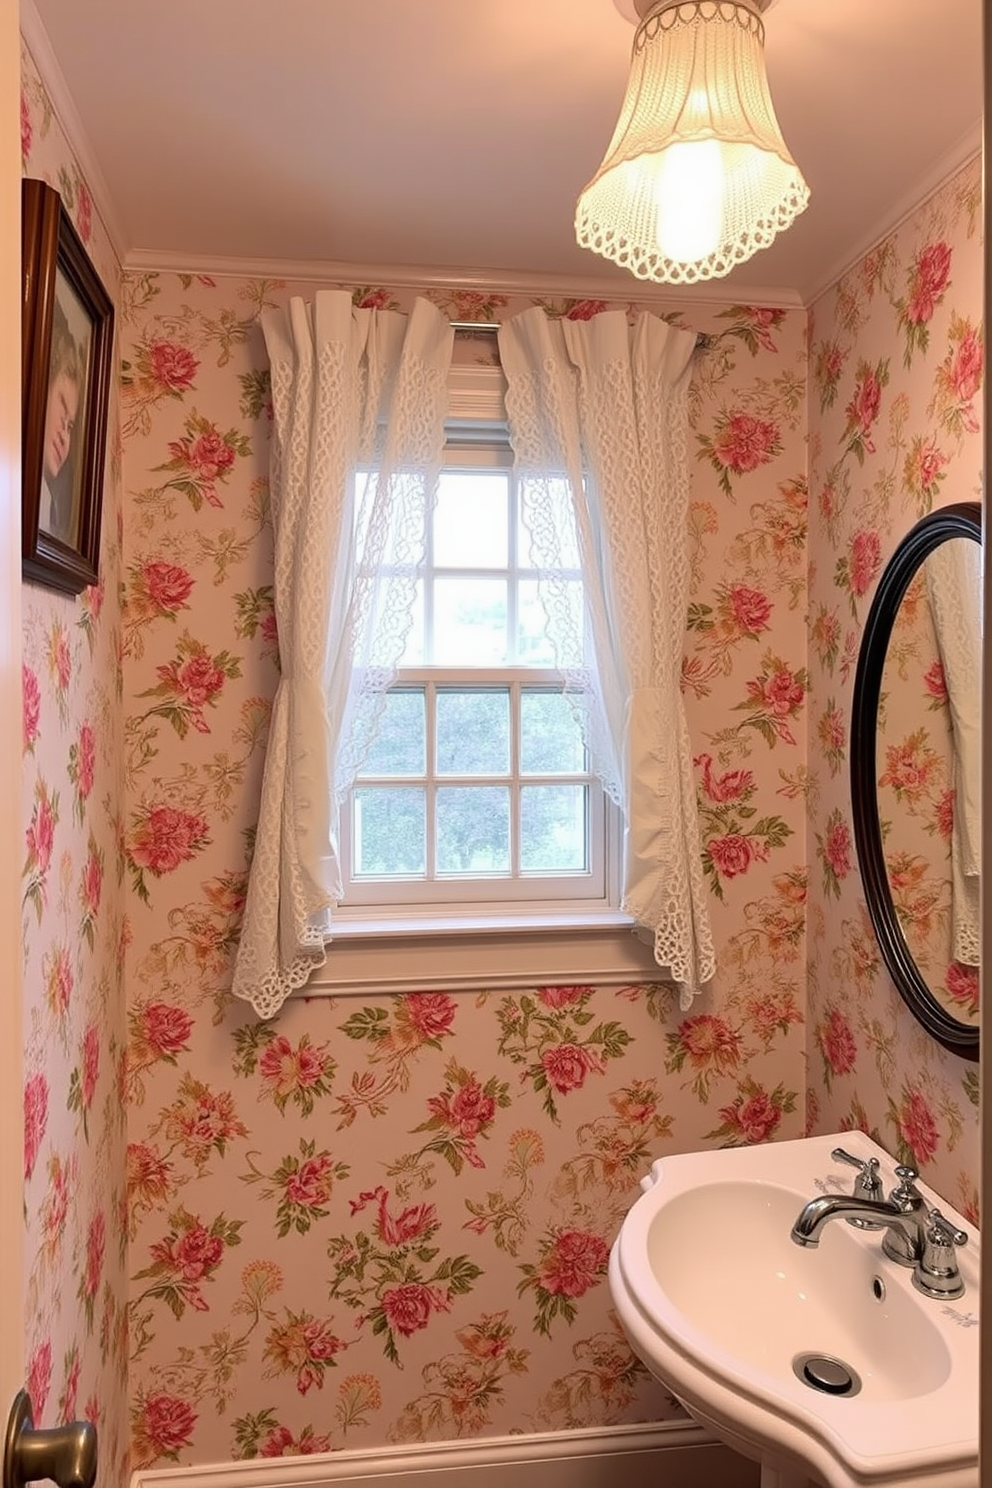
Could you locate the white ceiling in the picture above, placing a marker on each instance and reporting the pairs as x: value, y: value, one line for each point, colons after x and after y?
x: 456, y: 134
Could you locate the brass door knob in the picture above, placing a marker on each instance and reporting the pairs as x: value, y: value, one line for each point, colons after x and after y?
x: 66, y: 1454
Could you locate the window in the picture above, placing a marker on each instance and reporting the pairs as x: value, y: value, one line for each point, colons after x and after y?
x: 480, y: 848
x: 478, y: 792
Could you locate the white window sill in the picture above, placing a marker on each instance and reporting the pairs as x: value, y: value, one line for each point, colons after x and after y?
x: 482, y: 952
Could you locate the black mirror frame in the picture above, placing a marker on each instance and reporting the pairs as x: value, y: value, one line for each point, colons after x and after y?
x: 962, y: 519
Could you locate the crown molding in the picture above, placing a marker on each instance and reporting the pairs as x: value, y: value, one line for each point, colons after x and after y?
x: 943, y: 170
x: 498, y: 281
x: 37, y: 41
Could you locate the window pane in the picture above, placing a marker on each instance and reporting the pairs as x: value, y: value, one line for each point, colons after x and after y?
x: 388, y: 831
x: 469, y: 622
x: 473, y: 829
x: 470, y: 520
x: 400, y: 746
x: 473, y: 732
x: 550, y: 738
x: 533, y: 646
x: 553, y: 828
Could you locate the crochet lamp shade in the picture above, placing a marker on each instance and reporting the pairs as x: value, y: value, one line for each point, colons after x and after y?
x: 697, y: 177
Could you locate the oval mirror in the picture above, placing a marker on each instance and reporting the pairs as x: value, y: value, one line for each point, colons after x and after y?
x: 915, y: 770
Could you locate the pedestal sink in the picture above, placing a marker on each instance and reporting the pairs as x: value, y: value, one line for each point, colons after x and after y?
x: 826, y: 1363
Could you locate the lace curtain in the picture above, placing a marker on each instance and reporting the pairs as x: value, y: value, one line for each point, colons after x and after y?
x: 351, y: 390
x: 603, y: 408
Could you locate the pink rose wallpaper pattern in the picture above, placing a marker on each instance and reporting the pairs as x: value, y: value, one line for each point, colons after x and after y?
x: 897, y: 358
x: 386, y: 1218
x: 74, y: 930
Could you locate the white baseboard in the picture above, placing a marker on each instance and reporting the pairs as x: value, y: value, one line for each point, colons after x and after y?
x: 674, y: 1453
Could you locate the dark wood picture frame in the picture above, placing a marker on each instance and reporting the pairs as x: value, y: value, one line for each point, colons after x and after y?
x: 67, y: 329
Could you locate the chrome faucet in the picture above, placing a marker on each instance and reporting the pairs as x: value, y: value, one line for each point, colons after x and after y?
x: 809, y: 1225
x: 925, y: 1241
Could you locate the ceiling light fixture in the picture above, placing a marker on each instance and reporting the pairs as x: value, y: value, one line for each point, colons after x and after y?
x: 697, y: 177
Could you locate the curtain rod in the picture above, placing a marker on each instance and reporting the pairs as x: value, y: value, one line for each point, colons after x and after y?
x: 703, y: 341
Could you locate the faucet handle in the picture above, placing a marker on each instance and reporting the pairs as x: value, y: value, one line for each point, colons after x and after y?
x: 941, y: 1232
x: 839, y: 1155
x: 867, y: 1185
x: 906, y: 1196
x: 936, y: 1272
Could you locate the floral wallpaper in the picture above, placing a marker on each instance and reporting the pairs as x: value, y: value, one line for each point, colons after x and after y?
x: 386, y: 1219
x: 897, y: 362
x: 383, y: 1219
x: 74, y: 928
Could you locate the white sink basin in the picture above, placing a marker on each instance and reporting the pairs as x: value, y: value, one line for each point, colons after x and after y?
x: 720, y: 1303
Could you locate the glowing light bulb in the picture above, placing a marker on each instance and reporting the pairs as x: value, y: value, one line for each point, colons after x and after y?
x: 690, y: 200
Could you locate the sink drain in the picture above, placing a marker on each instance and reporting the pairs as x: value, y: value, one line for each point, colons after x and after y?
x: 824, y: 1372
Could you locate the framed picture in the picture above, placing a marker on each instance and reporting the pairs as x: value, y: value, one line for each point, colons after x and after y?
x: 67, y: 327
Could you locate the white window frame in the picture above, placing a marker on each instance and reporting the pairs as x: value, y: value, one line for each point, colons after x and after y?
x: 592, y: 887
x: 479, y: 941
x: 595, y: 887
